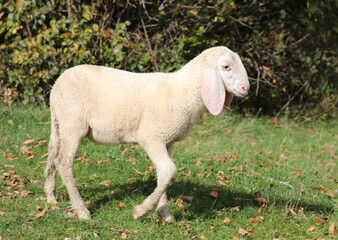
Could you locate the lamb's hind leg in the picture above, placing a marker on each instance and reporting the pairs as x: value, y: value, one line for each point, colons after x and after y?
x: 166, y: 173
x: 68, y: 149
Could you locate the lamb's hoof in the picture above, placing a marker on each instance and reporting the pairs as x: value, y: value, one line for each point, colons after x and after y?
x: 84, y: 215
x: 52, y: 200
x: 165, y: 214
x: 136, y: 212
x: 168, y: 219
x: 139, y: 212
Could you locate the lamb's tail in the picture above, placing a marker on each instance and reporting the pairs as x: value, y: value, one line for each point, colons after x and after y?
x: 53, y: 147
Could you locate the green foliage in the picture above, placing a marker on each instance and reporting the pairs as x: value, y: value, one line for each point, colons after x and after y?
x: 288, y: 47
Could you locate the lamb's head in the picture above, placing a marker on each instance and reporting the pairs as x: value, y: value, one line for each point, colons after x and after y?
x: 223, y: 76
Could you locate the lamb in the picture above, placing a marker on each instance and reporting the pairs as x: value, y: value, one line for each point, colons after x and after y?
x: 111, y: 106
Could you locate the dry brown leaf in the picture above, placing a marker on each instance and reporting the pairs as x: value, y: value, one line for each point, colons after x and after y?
x: 105, y: 183
x: 2, y: 213
x: 187, y: 198
x: 103, y: 161
x: 203, y: 237
x: 121, y: 205
x: 221, y: 182
x: 233, y: 169
x: 330, y: 193
x: 226, y: 220
x: 41, y: 214
x: 179, y: 203
x: 124, y: 151
x: 256, y: 173
x: 311, y: 229
x: 234, y: 209
x: 30, y: 157
x: 319, y: 221
x: 7, y: 166
x: 262, y: 200
x: 212, y: 227
x: 24, y: 193
x: 261, y: 208
x: 243, y: 232
x: 149, y: 229
x: 150, y: 169
x: 256, y: 219
x: 9, y: 173
x: 25, y: 151
x: 332, y: 228
x: 115, y: 192
x: 214, y: 193
x: 29, y: 141
x: 124, y: 235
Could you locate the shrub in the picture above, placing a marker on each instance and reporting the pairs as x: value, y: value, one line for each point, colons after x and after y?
x: 288, y: 47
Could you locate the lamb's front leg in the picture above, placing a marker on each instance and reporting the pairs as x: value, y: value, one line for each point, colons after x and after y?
x: 166, y: 173
x: 162, y: 206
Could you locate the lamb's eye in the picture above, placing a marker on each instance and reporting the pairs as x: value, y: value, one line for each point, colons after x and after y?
x: 226, y: 67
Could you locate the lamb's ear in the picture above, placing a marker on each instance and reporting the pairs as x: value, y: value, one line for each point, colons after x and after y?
x: 213, y: 92
x: 228, y: 98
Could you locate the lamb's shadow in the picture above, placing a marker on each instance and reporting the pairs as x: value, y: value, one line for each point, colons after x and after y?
x: 203, y: 204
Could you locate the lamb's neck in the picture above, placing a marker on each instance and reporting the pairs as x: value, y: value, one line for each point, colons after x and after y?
x: 189, y: 82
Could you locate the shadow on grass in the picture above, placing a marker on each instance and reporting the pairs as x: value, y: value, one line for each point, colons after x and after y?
x: 203, y: 204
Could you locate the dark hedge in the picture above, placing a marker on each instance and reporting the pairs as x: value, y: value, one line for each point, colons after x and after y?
x: 288, y: 47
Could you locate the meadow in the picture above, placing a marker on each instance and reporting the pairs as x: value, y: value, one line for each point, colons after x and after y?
x: 240, y: 177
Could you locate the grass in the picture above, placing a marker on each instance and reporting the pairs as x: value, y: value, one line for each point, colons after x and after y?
x: 229, y: 165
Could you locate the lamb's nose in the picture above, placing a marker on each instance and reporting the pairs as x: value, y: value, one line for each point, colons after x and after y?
x: 245, y: 88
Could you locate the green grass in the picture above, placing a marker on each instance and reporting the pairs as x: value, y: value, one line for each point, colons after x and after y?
x: 293, y: 165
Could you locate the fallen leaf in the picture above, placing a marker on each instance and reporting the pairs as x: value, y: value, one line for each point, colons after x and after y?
x: 261, y: 208
x: 203, y: 237
x: 311, y: 229
x: 214, y: 193
x: 330, y: 193
x: 179, y: 203
x: 7, y: 166
x: 256, y: 219
x: 25, y: 151
x: 262, y: 200
x: 124, y: 151
x: 30, y: 157
x: 226, y: 220
x: 187, y: 198
x: 221, y: 182
x: 332, y: 228
x: 124, y: 235
x: 29, y: 141
x: 243, y: 232
x: 212, y: 227
x: 150, y: 169
x: 105, y: 183
x: 2, y: 213
x: 319, y: 222
x: 41, y: 214
x: 121, y: 205
x: 234, y: 209
x: 115, y: 192
x: 149, y: 229
x: 24, y: 193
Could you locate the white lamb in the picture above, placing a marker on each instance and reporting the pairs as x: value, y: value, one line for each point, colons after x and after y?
x: 111, y: 106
